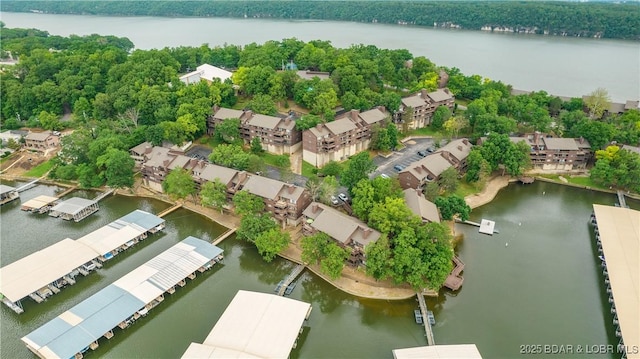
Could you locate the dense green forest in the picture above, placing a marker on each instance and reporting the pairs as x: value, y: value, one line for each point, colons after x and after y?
x: 606, y: 20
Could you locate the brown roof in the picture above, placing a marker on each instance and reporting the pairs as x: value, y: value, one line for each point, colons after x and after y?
x: 38, y: 136
x: 435, y: 163
x: 263, y: 187
x: 179, y: 161
x: 459, y: 148
x: 414, y: 101
x: 227, y: 113
x: 224, y: 174
x: 340, y: 126
x: 632, y: 105
x: 141, y: 148
x: 440, y: 95
x: 265, y: 121
x: 157, y: 157
x: 419, y: 205
x: 339, y: 226
x: 560, y: 143
x: 373, y: 116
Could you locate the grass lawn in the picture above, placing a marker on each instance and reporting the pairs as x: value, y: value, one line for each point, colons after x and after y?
x: 308, y: 170
x: 40, y: 170
x: 464, y: 189
x: 272, y: 160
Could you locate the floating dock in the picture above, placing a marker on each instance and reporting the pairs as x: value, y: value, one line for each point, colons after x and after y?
x: 487, y: 227
x: 287, y: 285
x: 254, y: 325
x: 466, y: 351
x: 118, y: 305
x: 57, y: 265
x: 617, y: 232
x: 40, y: 204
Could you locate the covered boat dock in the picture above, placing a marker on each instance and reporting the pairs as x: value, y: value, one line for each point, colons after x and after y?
x: 47, y: 271
x: 8, y: 194
x: 467, y: 351
x: 41, y: 204
x: 122, y: 233
x: 121, y: 303
x: 617, y: 231
x: 75, y: 209
x: 254, y: 325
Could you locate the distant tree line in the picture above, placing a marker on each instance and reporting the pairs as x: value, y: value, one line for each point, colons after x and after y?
x: 620, y: 21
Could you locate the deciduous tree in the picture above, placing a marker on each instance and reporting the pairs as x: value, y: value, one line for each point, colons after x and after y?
x: 179, y: 183
x: 271, y: 242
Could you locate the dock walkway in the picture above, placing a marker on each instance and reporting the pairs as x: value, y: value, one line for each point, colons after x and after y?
x: 66, y: 192
x: 224, y: 236
x: 104, y: 194
x: 27, y: 186
x: 169, y: 210
x: 621, y: 201
x: 454, y: 280
x: 427, y: 323
x: 284, y: 284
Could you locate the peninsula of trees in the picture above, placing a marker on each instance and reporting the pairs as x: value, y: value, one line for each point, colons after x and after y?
x: 600, y: 20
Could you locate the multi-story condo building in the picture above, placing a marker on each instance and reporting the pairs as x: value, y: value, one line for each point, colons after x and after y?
x: 277, y: 135
x: 424, y: 104
x: 285, y: 201
x: 429, y: 168
x: 346, y: 136
x: 41, y: 141
x: 420, y: 206
x: 553, y: 153
x: 347, y: 231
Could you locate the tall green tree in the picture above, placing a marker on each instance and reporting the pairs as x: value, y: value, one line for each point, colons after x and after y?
x: 597, y: 102
x: 272, y: 242
x: 253, y: 225
x: 116, y: 167
x: 313, y: 247
x: 359, y: 167
x: 453, y: 206
x: 333, y: 262
x: 247, y: 204
x: 229, y: 130
x: 214, y: 194
x: 440, y: 116
x: 179, y: 184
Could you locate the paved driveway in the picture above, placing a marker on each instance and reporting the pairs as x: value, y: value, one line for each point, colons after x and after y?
x: 403, y: 157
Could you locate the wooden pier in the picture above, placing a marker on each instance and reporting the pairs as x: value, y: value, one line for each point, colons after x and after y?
x: 490, y: 229
x: 169, y: 210
x: 224, y: 236
x: 427, y: 323
x: 454, y: 280
x: 282, y: 287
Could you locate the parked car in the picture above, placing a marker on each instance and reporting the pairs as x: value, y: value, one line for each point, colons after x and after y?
x: 431, y: 149
x: 398, y: 168
x: 343, y: 197
x: 334, y: 200
x: 384, y: 175
x: 422, y: 153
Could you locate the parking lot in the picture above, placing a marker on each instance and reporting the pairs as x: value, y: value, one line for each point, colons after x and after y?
x: 403, y: 157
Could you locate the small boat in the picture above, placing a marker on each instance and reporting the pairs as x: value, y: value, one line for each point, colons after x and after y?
x: 418, y: 316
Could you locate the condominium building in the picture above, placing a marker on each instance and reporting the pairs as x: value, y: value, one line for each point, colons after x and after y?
x: 424, y: 104
x: 346, y: 136
x: 553, y: 153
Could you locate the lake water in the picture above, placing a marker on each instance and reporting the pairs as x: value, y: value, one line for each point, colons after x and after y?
x: 545, y: 287
x: 559, y: 65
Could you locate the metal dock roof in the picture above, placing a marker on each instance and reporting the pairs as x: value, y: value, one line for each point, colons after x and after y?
x: 619, y: 230
x: 39, y: 202
x: 74, y: 330
x: 73, y: 205
x: 254, y: 325
x: 6, y: 189
x: 37, y: 270
x: 120, y: 231
x: 467, y: 351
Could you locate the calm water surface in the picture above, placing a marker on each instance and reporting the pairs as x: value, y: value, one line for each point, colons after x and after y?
x: 543, y: 288
x: 560, y: 66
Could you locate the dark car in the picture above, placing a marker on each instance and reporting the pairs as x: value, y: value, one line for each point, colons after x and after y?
x: 398, y: 168
x: 431, y: 149
x: 422, y: 153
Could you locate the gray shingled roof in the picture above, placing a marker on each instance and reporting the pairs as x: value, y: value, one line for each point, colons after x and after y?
x: 211, y: 172
x: 38, y: 136
x: 458, y: 148
x: 435, y: 163
x: 414, y: 101
x: 263, y: 187
x: 338, y: 225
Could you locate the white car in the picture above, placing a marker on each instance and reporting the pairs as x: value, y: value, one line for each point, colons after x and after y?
x: 343, y: 197
x: 383, y: 175
x: 334, y: 200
